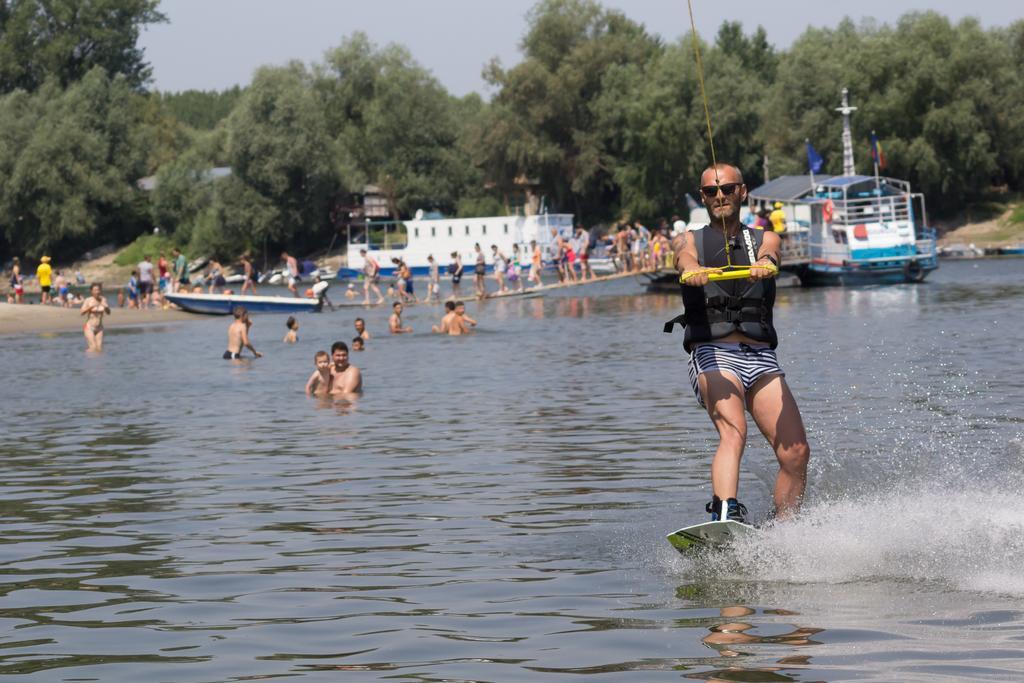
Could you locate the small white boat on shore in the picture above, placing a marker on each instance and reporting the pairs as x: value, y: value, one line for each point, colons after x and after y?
x: 225, y: 304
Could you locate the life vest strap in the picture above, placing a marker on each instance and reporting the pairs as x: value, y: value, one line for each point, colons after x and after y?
x: 678, y: 320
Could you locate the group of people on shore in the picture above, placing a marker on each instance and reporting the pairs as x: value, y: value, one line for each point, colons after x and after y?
x: 54, y: 286
x: 633, y: 247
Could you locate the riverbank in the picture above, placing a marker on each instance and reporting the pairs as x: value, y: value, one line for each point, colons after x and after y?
x: 34, y: 318
x: 1003, y: 230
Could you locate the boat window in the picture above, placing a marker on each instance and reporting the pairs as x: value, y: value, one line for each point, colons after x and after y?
x: 433, y: 232
x: 506, y: 228
x: 449, y: 231
x: 483, y: 229
x: 467, y: 230
x: 416, y: 232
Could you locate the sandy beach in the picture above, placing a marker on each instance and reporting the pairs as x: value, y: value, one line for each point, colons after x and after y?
x: 34, y: 318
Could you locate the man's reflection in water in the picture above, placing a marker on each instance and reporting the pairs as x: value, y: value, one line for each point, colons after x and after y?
x: 725, y: 636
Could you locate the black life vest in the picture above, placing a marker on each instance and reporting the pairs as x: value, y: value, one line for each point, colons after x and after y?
x: 718, y: 309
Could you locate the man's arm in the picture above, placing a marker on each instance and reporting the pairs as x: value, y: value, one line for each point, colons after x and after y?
x: 313, y: 381
x: 768, y: 257
x: 685, y: 248
x: 247, y: 344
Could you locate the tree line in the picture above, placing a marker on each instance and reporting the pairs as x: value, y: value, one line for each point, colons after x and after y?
x: 602, y: 115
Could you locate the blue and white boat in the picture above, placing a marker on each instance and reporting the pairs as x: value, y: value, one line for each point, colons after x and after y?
x: 225, y: 304
x: 852, y: 229
x: 414, y: 240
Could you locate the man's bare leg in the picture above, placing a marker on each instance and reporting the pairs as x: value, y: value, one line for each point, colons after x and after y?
x: 723, y: 396
x: 777, y: 416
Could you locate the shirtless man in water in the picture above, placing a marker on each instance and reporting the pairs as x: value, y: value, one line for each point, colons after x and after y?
x: 445, y: 326
x: 95, y: 307
x: 238, y: 335
x: 395, y: 321
x: 345, y: 377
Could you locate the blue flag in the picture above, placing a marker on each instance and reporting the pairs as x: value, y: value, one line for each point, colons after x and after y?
x: 814, y: 160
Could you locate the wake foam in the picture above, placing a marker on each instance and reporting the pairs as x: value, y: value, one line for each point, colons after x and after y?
x: 967, y: 539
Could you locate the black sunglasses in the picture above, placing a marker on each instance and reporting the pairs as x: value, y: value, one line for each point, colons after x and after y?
x: 712, y: 190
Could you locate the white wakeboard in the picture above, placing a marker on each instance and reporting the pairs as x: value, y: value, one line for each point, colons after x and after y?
x: 709, y: 535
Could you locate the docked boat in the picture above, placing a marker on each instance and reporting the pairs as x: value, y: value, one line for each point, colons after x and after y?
x: 414, y: 240
x: 854, y: 229
x: 1012, y: 250
x: 225, y: 304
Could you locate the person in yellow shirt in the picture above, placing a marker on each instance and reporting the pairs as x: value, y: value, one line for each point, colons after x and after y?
x: 43, y: 274
x: 778, y: 218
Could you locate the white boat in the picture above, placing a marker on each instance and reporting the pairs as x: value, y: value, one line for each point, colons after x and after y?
x: 414, y: 240
x: 225, y: 304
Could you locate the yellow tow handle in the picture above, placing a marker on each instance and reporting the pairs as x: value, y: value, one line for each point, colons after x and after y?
x: 726, y: 273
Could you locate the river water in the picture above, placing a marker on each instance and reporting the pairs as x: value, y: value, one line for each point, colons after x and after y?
x: 494, y: 507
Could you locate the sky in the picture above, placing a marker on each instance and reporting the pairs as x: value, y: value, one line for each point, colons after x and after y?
x: 215, y: 44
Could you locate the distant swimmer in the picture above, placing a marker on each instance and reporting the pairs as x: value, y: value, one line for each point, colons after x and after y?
x: 358, y: 344
x: 360, y: 326
x: 371, y: 277
x: 345, y: 377
x: 395, y: 321
x: 731, y: 340
x: 479, y: 270
x: 95, y: 307
x: 536, y: 264
x: 462, y: 318
x: 250, y: 273
x: 319, y: 383
x: 292, y: 335
x: 444, y: 326
x: 291, y: 266
x: 238, y: 335
x: 456, y: 269
x: 433, y: 280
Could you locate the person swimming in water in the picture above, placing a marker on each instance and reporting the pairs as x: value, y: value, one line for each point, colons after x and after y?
x: 346, y: 380
x: 319, y: 383
x: 238, y: 335
x: 444, y: 326
x: 395, y: 321
x: 292, y: 335
x: 361, y: 330
x: 95, y: 307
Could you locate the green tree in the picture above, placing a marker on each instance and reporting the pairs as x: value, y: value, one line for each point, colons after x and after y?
x: 544, y: 120
x: 654, y: 117
x: 66, y: 39
x: 284, y: 178
x: 70, y: 160
x: 202, y: 109
x: 395, y: 125
x: 945, y: 100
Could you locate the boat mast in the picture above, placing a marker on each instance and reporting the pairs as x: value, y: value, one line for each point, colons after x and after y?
x: 846, y: 110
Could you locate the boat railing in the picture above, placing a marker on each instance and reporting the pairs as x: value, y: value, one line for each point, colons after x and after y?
x: 871, y: 210
x: 795, y: 247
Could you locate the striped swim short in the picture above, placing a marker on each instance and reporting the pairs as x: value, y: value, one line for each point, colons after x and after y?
x: 747, y: 363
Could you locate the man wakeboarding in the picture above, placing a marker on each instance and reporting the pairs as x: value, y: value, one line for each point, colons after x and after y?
x: 731, y: 339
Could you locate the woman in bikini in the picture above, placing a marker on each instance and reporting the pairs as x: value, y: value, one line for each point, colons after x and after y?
x: 95, y: 307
